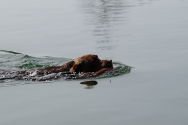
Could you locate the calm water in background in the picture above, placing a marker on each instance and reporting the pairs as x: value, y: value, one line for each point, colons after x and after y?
x: 150, y: 35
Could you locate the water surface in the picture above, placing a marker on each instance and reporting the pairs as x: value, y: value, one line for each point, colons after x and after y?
x: 149, y: 35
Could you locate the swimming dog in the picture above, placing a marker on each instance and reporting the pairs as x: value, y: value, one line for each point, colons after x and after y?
x: 82, y: 67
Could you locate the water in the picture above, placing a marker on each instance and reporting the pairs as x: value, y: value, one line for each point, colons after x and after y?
x: 149, y: 35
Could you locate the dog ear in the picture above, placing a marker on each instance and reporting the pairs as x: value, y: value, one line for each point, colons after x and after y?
x: 76, y: 68
x: 73, y: 68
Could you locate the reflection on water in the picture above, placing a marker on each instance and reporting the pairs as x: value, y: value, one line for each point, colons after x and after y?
x: 89, y: 84
x: 106, y: 17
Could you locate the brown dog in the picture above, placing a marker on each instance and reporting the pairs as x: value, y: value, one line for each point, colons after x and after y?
x: 87, y: 65
x: 82, y: 67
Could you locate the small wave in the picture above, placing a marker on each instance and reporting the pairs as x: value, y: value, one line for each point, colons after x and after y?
x: 15, y: 60
x: 10, y: 52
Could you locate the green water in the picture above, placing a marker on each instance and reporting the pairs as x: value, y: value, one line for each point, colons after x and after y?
x: 16, y: 60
